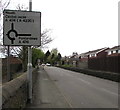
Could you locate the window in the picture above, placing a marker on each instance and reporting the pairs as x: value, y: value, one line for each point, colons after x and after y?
x: 118, y: 51
x: 109, y: 53
x: 114, y: 51
x: 93, y: 55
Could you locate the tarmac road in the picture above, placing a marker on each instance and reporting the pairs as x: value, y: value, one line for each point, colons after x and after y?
x: 83, y: 91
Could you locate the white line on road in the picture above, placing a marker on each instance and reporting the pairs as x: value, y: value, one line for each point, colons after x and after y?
x: 84, y: 81
x: 88, y: 83
x: 108, y: 91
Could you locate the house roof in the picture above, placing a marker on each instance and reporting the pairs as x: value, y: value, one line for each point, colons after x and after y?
x: 13, y: 60
x: 93, y: 51
x: 82, y: 54
x: 114, y: 48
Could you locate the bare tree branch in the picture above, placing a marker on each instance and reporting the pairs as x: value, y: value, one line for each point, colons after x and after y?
x: 45, y: 39
x: 21, y: 7
x: 5, y: 5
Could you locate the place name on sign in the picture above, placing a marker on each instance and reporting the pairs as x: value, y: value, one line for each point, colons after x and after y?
x: 27, y: 39
x: 24, y: 19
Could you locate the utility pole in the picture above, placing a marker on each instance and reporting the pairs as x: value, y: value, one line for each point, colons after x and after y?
x: 29, y: 74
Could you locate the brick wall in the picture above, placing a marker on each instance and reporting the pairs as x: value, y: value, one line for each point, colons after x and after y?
x: 15, y: 65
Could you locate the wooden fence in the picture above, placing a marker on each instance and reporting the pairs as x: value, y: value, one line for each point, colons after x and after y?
x: 111, y: 64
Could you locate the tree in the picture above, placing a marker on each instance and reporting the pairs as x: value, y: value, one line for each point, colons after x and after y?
x: 45, y: 38
x: 59, y: 57
x: 23, y: 55
x: 37, y: 54
x: 3, y: 5
x: 54, y: 57
x: 54, y: 51
x: 47, y: 54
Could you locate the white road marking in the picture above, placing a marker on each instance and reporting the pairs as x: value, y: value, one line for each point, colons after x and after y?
x: 108, y: 91
x: 84, y: 81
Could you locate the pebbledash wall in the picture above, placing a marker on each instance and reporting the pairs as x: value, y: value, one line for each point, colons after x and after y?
x: 14, y: 92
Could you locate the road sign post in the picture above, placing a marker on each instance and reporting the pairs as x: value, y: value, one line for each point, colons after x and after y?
x: 23, y: 28
x: 29, y: 74
x: 8, y: 65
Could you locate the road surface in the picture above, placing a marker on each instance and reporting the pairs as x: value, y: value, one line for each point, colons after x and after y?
x: 84, y: 91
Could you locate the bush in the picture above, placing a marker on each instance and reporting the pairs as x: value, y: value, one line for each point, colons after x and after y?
x: 101, y: 74
x: 66, y: 65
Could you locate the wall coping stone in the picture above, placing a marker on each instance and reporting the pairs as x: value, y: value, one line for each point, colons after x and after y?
x: 9, y: 88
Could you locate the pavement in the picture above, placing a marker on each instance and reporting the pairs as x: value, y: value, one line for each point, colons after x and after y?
x: 46, y: 94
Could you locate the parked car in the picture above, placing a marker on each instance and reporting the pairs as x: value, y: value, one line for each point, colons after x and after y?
x: 43, y: 64
x: 47, y: 64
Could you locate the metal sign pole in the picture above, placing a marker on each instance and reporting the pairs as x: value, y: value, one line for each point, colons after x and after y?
x: 8, y: 64
x: 24, y: 21
x: 29, y: 75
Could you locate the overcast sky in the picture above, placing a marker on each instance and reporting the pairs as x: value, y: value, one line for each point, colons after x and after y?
x: 77, y: 25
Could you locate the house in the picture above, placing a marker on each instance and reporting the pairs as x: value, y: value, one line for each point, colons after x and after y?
x: 15, y: 65
x: 93, y: 54
x: 97, y: 53
x: 12, y: 60
x: 65, y: 60
x: 108, y: 60
x: 84, y: 57
x: 104, y: 59
x: 114, y: 51
x: 74, y: 59
x: 81, y: 60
